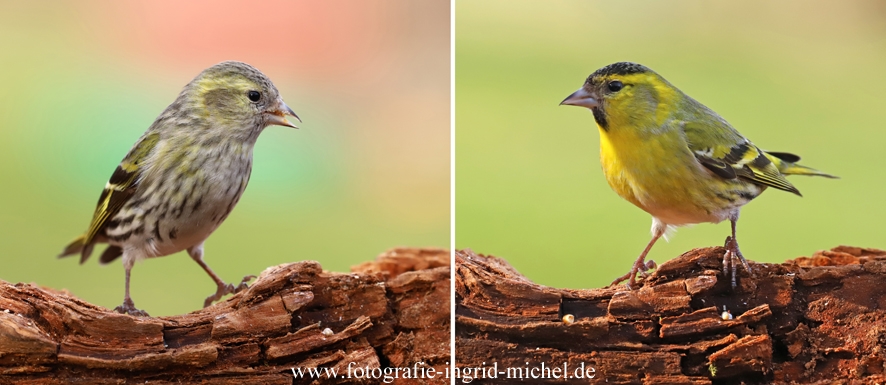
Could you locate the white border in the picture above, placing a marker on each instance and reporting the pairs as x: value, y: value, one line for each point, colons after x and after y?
x: 452, y: 191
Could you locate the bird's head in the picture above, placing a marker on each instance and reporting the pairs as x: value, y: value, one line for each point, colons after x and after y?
x: 626, y: 95
x: 235, y: 96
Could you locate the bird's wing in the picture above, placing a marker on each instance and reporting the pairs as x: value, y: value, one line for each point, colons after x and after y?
x: 721, y: 149
x: 120, y: 187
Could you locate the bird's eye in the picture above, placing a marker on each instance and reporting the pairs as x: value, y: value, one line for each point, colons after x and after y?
x: 254, y: 95
x: 615, y: 85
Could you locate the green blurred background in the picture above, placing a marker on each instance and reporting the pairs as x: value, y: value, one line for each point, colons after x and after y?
x: 796, y: 76
x: 368, y: 169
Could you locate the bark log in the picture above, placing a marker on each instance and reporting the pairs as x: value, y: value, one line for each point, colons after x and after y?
x: 393, y: 312
x: 818, y: 320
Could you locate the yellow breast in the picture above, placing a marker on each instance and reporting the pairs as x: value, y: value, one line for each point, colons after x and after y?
x: 658, y: 173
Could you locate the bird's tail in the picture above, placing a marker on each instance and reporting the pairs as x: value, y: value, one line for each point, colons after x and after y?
x: 78, y: 246
x: 75, y: 247
x: 787, y: 165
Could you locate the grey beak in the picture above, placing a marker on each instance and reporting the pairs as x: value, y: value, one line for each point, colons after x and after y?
x: 581, y: 98
x: 277, y: 115
x: 288, y: 111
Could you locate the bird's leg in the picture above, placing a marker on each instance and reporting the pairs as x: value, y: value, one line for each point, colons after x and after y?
x: 733, y: 251
x: 639, y: 264
x: 128, y: 307
x: 196, y: 253
x: 727, y: 257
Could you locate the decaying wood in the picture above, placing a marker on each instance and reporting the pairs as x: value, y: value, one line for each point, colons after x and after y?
x: 819, y: 320
x: 393, y: 312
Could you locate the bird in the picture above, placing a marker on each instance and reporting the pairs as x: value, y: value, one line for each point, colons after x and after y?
x: 676, y: 159
x: 185, y: 174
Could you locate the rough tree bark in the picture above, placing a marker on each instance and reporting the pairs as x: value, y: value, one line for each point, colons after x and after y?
x: 393, y: 312
x: 819, y: 320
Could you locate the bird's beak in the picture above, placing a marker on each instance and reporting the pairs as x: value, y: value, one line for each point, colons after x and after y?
x: 277, y: 115
x: 581, y: 98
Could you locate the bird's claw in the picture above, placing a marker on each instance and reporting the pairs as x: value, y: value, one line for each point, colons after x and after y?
x: 228, y: 288
x: 223, y: 289
x: 243, y: 283
x: 649, y: 265
x: 631, y: 276
x: 128, y: 307
x: 623, y: 278
x: 729, y: 267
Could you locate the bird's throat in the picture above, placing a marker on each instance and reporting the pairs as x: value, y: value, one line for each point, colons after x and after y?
x: 600, y: 117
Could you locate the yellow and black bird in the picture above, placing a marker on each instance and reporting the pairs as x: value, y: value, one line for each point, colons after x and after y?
x: 675, y: 158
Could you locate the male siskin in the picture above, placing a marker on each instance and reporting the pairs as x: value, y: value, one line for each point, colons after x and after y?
x: 183, y: 177
x: 675, y: 158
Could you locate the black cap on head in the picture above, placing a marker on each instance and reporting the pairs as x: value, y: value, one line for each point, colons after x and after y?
x: 620, y: 68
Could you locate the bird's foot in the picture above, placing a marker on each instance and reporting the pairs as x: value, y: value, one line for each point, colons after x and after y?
x: 631, y: 276
x: 128, y: 307
x: 729, y: 267
x: 649, y: 265
x: 227, y: 288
